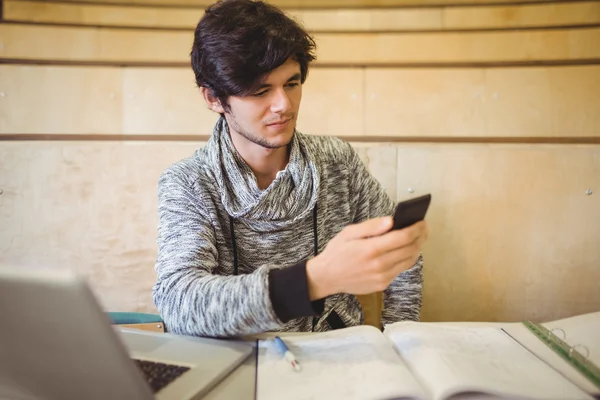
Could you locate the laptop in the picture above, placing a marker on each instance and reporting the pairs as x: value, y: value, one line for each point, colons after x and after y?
x: 56, y: 343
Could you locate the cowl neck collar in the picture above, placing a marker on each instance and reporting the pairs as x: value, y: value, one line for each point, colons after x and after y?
x: 289, y: 198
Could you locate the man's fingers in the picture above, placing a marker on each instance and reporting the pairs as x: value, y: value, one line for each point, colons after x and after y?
x: 369, y: 228
x: 400, y: 238
x: 404, y: 254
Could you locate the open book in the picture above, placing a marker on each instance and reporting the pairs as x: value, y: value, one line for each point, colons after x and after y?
x: 428, y: 361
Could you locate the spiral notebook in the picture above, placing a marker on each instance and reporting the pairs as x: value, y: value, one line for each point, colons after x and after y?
x: 436, y: 361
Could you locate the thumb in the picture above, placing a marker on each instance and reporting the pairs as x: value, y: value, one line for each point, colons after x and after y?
x: 368, y: 228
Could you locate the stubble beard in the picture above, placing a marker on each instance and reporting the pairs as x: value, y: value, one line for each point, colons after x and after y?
x: 257, y: 140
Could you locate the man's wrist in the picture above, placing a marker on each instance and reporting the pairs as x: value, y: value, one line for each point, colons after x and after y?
x: 319, y: 286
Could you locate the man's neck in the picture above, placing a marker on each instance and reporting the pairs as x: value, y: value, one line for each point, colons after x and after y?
x: 265, y: 163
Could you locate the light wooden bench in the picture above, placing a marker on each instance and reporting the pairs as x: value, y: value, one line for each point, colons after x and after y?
x: 152, y: 47
x: 323, y: 20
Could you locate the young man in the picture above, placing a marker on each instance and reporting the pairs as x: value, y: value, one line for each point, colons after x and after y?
x: 266, y: 228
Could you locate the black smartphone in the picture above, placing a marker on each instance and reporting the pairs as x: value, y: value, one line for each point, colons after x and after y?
x: 411, y: 211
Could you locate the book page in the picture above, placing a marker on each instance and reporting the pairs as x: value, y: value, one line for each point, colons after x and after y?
x: 451, y: 360
x: 350, y: 363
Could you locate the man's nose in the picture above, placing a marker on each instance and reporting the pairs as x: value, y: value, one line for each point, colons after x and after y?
x: 280, y: 102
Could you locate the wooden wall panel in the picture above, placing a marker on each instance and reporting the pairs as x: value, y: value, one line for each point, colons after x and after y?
x: 164, y: 101
x: 402, y: 19
x: 87, y: 206
x: 148, y: 46
x: 60, y: 99
x: 99, y: 14
x: 160, y: 101
x: 513, y: 234
x: 496, y: 102
x: 553, y: 14
x: 167, y: 101
x: 507, y: 102
x: 48, y: 43
x: 382, y: 161
x: 315, y: 19
x: 93, y: 44
x: 318, y: 3
x: 424, y: 102
x: 333, y: 102
x: 477, y: 17
x: 509, y: 46
x: 543, y: 101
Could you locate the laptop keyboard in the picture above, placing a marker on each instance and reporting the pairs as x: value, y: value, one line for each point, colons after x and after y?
x: 159, y: 375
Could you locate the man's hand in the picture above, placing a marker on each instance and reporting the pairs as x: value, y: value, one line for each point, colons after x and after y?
x: 364, y: 258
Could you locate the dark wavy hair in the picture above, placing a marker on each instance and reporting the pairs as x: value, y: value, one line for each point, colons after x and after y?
x: 238, y: 41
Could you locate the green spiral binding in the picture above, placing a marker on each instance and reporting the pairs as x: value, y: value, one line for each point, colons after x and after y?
x: 572, y: 356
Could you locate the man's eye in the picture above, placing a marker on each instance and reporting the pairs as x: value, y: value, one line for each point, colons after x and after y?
x: 292, y: 85
x: 259, y: 94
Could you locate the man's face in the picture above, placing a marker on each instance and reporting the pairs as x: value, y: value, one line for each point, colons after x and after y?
x: 268, y: 116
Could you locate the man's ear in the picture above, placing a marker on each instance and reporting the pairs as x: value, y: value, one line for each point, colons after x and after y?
x: 211, y: 101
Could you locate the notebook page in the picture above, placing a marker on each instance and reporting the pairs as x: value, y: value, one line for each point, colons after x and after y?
x: 350, y: 363
x: 581, y: 329
x: 451, y: 360
x: 521, y: 334
x: 584, y: 329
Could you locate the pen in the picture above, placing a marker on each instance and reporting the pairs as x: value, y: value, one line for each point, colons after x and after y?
x: 289, y: 356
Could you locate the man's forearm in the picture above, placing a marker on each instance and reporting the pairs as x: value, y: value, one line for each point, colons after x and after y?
x: 215, y: 306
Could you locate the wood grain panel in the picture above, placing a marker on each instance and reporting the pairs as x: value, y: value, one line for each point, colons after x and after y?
x: 390, y: 48
x: 93, y: 44
x: 372, y: 305
x: 479, y: 17
x: 153, y: 101
x: 545, y: 101
x: 122, y: 46
x: 424, y: 102
x: 152, y: 327
x: 333, y: 102
x: 164, y: 100
x: 381, y: 159
x: 60, y: 99
x: 497, y: 102
x: 357, y: 139
x: 158, y: 101
x: 177, y: 18
x: 513, y: 234
x: 356, y: 20
x: 560, y: 102
x: 528, y: 15
x: 319, y: 3
x: 88, y: 206
x: 99, y: 14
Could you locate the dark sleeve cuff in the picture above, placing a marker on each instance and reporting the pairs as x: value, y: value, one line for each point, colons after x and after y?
x: 288, y: 290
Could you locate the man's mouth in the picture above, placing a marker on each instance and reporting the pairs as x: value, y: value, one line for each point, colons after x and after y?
x: 280, y: 123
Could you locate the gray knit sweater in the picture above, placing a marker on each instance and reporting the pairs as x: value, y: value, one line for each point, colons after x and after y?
x: 202, y: 197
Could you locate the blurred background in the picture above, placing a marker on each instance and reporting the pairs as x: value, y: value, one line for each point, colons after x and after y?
x: 492, y: 106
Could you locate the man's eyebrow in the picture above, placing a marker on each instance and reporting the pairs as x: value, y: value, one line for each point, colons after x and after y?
x: 295, y: 77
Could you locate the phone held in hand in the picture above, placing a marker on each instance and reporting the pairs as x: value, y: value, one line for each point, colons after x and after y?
x: 411, y: 211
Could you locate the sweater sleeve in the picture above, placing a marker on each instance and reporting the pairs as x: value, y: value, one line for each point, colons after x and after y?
x: 403, y: 298
x: 189, y: 297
